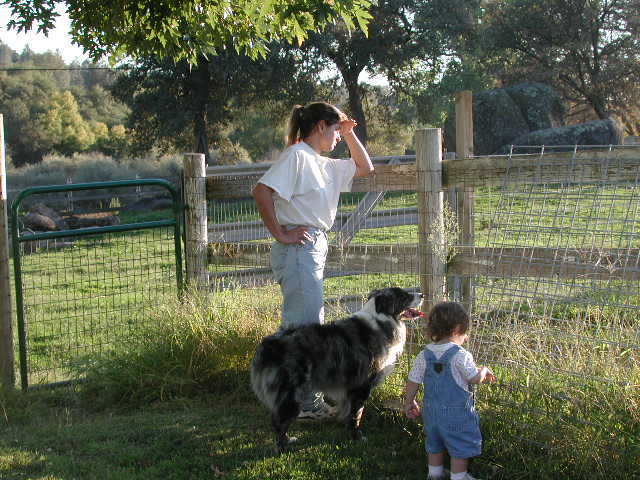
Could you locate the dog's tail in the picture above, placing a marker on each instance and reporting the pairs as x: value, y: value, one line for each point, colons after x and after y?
x: 266, y: 375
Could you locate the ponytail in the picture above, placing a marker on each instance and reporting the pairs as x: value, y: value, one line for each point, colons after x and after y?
x: 294, y: 125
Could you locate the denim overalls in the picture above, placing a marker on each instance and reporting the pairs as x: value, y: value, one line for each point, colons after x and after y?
x: 451, y: 421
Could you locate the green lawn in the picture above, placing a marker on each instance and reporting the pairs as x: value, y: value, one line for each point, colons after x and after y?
x: 207, y: 437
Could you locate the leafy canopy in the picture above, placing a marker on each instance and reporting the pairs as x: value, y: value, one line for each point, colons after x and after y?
x: 185, y: 29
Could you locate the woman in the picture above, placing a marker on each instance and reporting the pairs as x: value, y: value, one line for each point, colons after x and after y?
x: 298, y: 199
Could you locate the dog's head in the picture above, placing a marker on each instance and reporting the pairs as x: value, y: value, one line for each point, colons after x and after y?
x: 395, y: 302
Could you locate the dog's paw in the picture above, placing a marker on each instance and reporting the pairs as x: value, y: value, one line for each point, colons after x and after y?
x: 284, y: 446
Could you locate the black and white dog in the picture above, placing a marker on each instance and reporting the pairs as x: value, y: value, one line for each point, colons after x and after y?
x: 345, y: 359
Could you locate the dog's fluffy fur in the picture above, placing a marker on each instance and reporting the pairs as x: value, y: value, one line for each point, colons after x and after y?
x: 345, y: 359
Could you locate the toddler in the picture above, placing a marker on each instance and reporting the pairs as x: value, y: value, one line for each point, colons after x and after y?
x: 448, y: 373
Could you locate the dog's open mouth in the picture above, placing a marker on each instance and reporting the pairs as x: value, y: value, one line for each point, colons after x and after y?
x: 412, y: 313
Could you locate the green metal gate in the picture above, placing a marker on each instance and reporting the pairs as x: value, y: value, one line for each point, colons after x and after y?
x: 80, y: 290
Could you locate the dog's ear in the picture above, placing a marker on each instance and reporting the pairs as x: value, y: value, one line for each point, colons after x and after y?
x: 392, y: 301
x: 385, y: 302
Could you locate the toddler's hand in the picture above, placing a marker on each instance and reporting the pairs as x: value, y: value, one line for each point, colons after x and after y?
x: 488, y: 375
x: 412, y: 410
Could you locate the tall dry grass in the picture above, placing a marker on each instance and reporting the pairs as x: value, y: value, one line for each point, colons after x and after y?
x: 200, y: 343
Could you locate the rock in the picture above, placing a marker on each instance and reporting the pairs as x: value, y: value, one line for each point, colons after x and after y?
x: 496, y: 120
x: 540, y: 106
x: 42, y: 218
x: 597, y: 132
x: 500, y: 115
x: 40, y: 223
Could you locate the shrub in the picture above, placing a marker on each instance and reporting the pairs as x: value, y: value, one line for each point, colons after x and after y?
x: 230, y: 153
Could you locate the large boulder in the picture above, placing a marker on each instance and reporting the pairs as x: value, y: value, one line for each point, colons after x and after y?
x: 597, y: 132
x: 496, y: 120
x: 500, y: 115
x: 540, y: 106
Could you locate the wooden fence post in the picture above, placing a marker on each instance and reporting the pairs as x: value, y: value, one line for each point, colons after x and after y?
x: 464, y: 149
x: 431, y: 241
x: 195, y: 198
x: 7, y: 372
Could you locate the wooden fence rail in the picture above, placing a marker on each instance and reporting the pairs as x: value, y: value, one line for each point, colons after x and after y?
x: 614, y: 164
x: 504, y: 262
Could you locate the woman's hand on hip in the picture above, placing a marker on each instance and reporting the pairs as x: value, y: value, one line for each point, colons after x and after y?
x: 296, y: 236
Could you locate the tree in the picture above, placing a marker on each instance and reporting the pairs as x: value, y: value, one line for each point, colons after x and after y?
x: 588, y: 49
x: 23, y: 97
x: 393, y: 42
x: 179, y: 105
x: 62, y: 123
x: 186, y: 29
x: 51, y: 109
x: 456, y: 61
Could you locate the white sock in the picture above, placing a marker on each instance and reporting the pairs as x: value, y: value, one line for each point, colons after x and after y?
x: 458, y: 476
x: 436, y: 470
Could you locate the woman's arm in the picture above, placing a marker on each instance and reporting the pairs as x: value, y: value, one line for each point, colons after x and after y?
x: 264, y: 199
x: 364, y: 167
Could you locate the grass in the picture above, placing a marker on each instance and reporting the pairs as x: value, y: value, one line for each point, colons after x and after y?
x: 173, y: 401
x: 211, y: 436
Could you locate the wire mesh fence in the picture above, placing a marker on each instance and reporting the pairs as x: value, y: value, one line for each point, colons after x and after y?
x: 81, y: 290
x: 560, y: 314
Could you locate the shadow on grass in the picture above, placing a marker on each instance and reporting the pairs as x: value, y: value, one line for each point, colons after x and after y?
x: 207, y: 437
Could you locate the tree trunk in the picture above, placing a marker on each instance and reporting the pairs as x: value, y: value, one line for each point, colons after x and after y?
x: 355, y: 105
x: 599, y: 106
x: 350, y: 76
x: 200, y: 94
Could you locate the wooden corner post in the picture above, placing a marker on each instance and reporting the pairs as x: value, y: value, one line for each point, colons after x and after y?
x: 195, y: 204
x: 7, y: 371
x: 431, y: 241
x: 464, y: 149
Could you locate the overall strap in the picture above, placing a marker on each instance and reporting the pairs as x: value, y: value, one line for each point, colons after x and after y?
x: 446, y: 356
x: 428, y: 355
x: 450, y: 353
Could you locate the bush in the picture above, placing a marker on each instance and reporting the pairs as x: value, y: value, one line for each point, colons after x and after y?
x: 230, y: 153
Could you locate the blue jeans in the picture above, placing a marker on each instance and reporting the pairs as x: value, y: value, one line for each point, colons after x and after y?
x: 299, y: 269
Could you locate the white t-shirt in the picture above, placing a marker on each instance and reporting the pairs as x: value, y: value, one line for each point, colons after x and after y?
x: 463, y: 367
x: 307, y: 186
